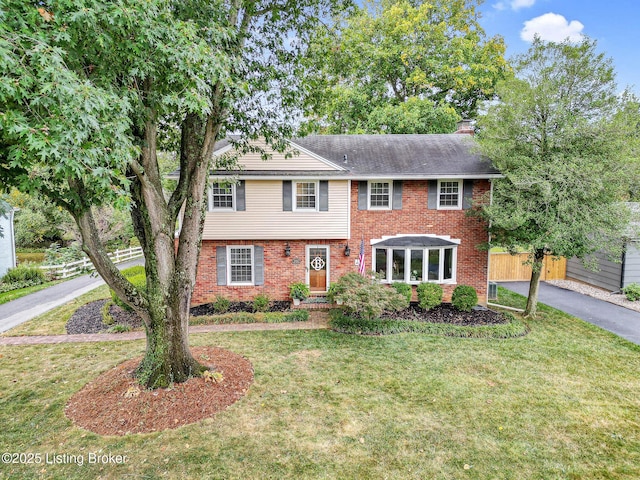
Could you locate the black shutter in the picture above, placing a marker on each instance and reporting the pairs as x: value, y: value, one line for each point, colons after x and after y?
x: 397, y: 195
x: 467, y: 194
x: 258, y: 269
x: 324, y: 196
x: 432, y: 195
x: 221, y: 265
x: 287, y: 204
x: 241, y: 205
x: 363, y: 199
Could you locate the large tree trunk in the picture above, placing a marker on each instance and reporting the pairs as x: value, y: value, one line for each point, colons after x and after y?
x: 536, y: 271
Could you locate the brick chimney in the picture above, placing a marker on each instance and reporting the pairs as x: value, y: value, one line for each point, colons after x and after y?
x: 465, y: 127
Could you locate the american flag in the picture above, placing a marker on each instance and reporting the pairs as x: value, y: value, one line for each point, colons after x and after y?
x: 361, y: 258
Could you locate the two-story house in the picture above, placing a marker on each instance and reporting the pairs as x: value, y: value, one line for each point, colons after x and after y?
x: 401, y: 199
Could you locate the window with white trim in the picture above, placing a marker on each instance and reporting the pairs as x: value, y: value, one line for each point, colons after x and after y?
x: 415, y: 264
x: 221, y: 196
x: 449, y: 194
x: 240, y: 264
x: 380, y: 194
x: 305, y: 195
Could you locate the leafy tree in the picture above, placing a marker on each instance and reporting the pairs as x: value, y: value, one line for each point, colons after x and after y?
x: 424, y: 64
x: 555, y: 137
x: 90, y: 91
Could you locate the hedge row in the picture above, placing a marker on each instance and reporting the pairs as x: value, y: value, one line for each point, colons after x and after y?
x: 245, y: 317
x: 345, y: 324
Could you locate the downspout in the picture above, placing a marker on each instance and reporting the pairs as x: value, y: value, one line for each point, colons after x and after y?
x: 489, y: 240
x: 622, y: 270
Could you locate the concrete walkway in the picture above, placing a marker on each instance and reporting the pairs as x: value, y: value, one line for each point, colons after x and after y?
x: 614, y: 318
x: 25, y: 308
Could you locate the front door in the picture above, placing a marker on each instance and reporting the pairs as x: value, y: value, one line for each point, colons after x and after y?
x: 318, y: 268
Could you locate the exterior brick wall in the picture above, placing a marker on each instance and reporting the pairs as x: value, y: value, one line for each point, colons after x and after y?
x: 414, y: 218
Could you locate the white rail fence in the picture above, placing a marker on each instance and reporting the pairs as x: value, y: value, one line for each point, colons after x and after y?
x: 82, y: 266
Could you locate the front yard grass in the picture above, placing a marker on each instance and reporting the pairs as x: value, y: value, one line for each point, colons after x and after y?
x: 562, y: 402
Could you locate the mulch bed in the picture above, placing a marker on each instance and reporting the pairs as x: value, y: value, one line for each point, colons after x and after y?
x: 88, y: 318
x: 115, y: 404
x: 446, y: 313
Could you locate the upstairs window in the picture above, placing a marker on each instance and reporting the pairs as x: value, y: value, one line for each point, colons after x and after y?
x: 221, y: 196
x: 306, y: 195
x: 380, y: 195
x: 449, y: 195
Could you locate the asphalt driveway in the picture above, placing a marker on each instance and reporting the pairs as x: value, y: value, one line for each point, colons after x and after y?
x: 619, y: 320
x: 25, y: 308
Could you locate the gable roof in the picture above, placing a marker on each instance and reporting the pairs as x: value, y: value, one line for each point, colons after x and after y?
x: 424, y: 156
x: 361, y: 157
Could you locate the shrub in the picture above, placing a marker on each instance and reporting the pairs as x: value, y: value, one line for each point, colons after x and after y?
x: 464, y: 298
x: 26, y: 274
x: 221, y: 305
x: 403, y: 289
x: 368, y: 297
x: 137, y: 277
x: 429, y: 295
x: 261, y: 303
x: 632, y: 292
x: 299, y: 290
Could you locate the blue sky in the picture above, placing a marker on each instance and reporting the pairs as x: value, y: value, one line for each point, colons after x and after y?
x: 613, y: 24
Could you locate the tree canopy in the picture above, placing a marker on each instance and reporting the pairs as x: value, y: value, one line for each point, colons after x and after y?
x: 401, y: 66
x: 556, y: 135
x: 89, y: 91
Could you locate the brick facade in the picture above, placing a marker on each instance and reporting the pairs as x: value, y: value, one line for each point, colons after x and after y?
x: 413, y: 218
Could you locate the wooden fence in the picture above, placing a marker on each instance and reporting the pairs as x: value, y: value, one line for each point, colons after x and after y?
x: 504, y: 267
x: 81, y: 266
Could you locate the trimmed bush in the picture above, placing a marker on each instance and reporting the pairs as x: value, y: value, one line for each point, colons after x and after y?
x: 368, y: 297
x: 25, y: 274
x: 261, y: 303
x: 464, y: 298
x: 403, y: 289
x: 429, y: 295
x: 632, y: 292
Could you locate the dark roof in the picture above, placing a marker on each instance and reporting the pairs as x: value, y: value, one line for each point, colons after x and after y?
x: 415, y: 241
x: 436, y: 155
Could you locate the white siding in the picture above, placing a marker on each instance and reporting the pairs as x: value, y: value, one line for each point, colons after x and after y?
x: 299, y: 162
x: 264, y: 218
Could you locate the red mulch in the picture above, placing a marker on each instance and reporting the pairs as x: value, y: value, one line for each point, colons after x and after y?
x: 115, y: 404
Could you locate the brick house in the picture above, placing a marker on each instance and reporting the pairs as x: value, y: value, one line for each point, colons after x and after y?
x: 304, y: 219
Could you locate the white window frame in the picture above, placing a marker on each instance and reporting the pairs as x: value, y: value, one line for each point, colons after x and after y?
x: 229, y: 265
x: 369, y: 193
x: 425, y: 264
x: 460, y: 188
x: 210, y: 206
x: 294, y: 194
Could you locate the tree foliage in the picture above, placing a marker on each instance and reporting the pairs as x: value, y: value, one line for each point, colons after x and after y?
x: 90, y: 91
x: 555, y: 136
x: 402, y: 66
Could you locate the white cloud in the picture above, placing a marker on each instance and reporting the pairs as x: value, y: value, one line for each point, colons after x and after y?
x: 514, y: 4
x: 518, y: 4
x: 552, y: 27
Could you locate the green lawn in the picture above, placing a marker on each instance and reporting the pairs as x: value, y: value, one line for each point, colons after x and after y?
x: 562, y: 402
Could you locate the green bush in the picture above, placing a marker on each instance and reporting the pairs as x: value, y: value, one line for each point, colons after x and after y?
x: 24, y: 273
x: 403, y: 289
x: 299, y: 290
x: 632, y: 292
x: 368, y: 297
x: 136, y: 275
x: 261, y: 303
x: 464, y: 298
x: 221, y: 305
x: 429, y: 295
